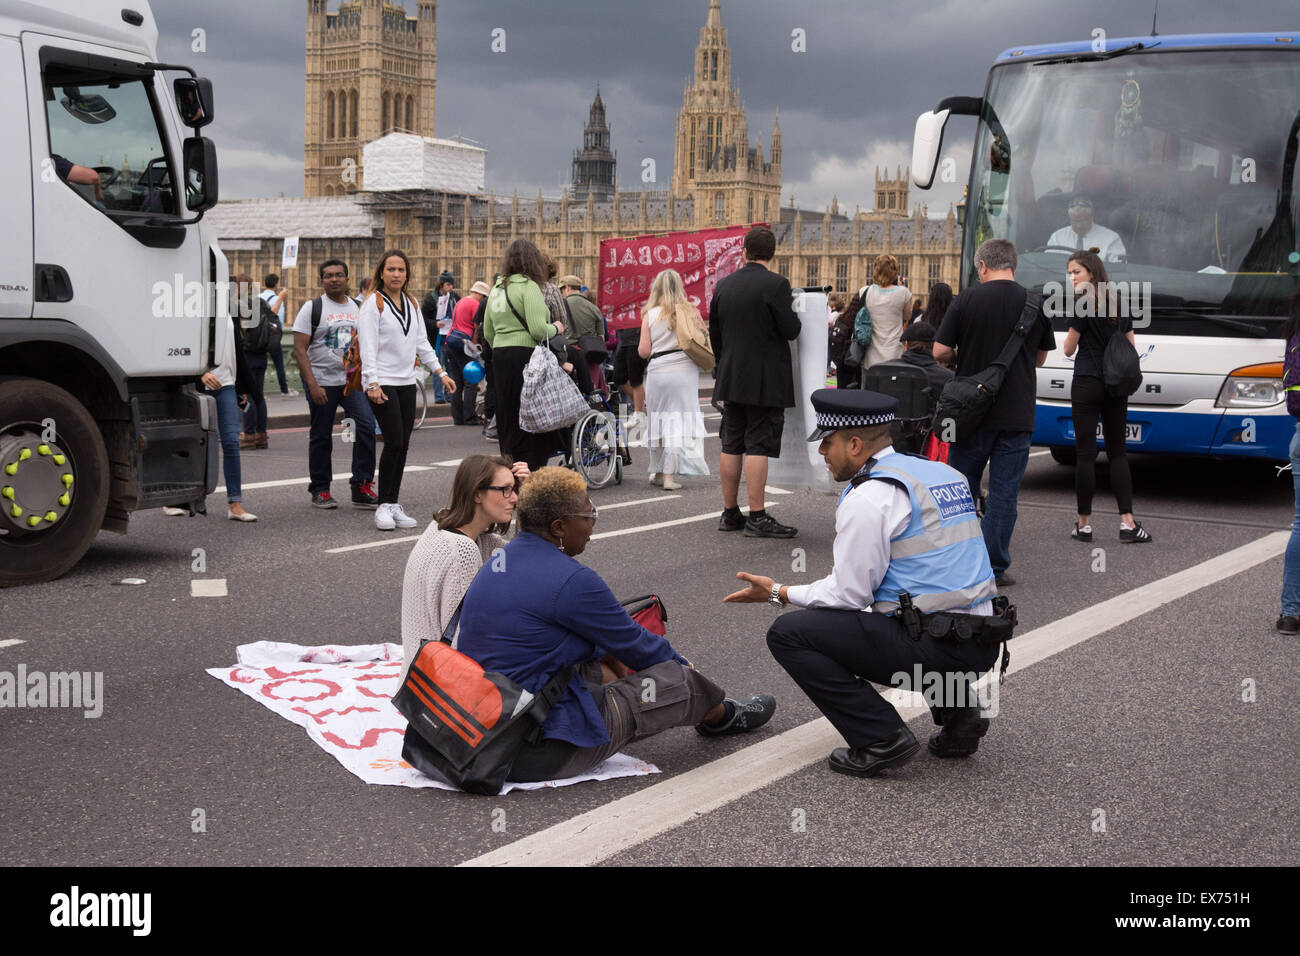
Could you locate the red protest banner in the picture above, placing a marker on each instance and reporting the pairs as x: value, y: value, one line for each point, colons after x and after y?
x: 629, y: 265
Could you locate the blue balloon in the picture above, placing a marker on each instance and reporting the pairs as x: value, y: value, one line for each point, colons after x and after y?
x: 473, y: 373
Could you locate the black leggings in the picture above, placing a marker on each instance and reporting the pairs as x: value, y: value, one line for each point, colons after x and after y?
x: 396, y: 418
x: 1089, y: 402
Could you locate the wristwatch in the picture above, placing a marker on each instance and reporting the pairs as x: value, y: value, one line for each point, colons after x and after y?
x: 775, y: 596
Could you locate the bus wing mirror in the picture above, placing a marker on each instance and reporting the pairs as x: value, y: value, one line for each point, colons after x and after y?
x: 200, y: 168
x: 193, y: 100
x: 926, y: 143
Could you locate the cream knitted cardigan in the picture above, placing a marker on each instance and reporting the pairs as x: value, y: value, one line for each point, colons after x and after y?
x: 438, y: 573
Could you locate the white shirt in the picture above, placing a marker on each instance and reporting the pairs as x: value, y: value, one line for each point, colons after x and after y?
x: 1107, y: 240
x: 387, y: 350
x: 326, y: 348
x: 868, y: 518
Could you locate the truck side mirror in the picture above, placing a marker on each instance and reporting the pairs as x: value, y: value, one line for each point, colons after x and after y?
x: 193, y: 100
x: 199, y: 160
x: 926, y: 143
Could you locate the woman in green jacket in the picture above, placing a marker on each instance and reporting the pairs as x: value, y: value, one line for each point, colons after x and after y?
x: 515, y: 322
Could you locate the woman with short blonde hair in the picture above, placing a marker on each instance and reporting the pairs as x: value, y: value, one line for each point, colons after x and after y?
x: 672, y: 384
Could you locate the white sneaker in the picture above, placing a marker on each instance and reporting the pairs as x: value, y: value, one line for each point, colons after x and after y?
x: 400, y: 517
x: 384, y: 520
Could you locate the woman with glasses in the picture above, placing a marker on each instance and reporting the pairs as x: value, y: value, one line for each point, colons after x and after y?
x: 542, y: 611
x: 451, y: 551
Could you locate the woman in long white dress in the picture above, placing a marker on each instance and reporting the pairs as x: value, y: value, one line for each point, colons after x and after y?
x: 890, y: 306
x: 672, y: 385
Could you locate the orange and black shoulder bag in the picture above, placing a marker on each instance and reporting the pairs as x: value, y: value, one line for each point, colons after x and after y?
x: 467, y: 725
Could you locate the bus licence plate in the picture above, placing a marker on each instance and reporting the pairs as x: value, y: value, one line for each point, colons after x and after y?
x: 1132, y: 432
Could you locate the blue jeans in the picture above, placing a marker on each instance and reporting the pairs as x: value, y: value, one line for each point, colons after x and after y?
x: 438, y: 394
x: 1006, y: 454
x: 229, y: 421
x: 320, y: 444
x: 1291, y: 565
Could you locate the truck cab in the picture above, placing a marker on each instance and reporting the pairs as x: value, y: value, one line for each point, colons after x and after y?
x: 109, y: 281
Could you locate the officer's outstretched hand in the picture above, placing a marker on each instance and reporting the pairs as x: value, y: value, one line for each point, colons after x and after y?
x: 759, y: 590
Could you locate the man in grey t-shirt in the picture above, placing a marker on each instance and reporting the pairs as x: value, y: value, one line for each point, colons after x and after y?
x: 319, y: 348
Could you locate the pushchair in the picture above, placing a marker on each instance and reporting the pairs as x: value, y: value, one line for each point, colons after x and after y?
x: 911, y: 388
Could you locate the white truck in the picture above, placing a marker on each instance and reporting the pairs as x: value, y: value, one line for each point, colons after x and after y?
x: 111, y: 286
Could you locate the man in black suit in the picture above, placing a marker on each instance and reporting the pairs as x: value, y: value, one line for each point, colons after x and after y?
x: 751, y: 320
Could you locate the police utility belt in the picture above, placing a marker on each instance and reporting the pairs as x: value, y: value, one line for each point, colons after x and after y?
x: 978, y: 629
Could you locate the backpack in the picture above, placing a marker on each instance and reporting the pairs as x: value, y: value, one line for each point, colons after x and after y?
x: 259, y: 339
x: 1291, y: 376
x: 841, y: 333
x: 966, y: 401
x: 1120, y: 371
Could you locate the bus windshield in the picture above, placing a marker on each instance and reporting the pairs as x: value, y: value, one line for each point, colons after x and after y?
x: 1179, y: 166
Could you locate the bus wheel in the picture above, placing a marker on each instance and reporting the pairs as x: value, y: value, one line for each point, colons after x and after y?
x: 53, y: 481
x: 1063, y: 456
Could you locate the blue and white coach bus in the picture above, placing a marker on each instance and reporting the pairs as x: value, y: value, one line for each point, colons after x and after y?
x: 1184, y: 148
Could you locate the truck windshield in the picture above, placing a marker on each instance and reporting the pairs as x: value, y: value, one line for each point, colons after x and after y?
x: 109, y: 125
x: 1179, y: 166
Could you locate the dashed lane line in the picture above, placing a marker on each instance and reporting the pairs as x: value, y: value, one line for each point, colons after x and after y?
x: 617, y: 826
x: 290, y: 482
x: 11, y: 642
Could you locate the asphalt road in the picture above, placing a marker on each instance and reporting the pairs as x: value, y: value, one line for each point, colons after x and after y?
x: 1144, y: 721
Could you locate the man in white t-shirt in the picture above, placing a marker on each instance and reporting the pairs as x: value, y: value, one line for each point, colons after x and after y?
x: 1083, y: 233
x: 319, y: 347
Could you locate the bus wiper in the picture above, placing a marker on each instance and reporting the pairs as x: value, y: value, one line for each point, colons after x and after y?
x: 1255, y: 331
x: 1107, y: 55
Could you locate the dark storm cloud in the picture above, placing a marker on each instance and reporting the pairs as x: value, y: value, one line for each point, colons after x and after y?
x: 847, y: 103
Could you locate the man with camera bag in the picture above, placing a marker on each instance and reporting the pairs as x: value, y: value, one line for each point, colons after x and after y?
x: 981, y: 322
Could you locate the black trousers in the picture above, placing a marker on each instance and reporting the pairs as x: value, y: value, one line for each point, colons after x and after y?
x: 833, y: 655
x: 508, y: 380
x: 463, y: 399
x: 1088, y: 402
x: 396, y: 419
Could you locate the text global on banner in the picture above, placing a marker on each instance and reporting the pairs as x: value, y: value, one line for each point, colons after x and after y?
x: 628, y: 267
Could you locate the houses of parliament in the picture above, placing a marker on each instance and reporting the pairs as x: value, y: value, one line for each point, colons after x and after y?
x: 370, y: 87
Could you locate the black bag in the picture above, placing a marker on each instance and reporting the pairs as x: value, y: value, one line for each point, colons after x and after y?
x: 840, y: 335
x: 261, y: 337
x: 966, y: 401
x: 1120, y: 370
x: 465, y: 725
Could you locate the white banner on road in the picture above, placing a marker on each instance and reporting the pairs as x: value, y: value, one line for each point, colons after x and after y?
x: 343, y: 697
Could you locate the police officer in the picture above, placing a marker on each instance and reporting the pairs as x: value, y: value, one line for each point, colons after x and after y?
x: 911, y: 585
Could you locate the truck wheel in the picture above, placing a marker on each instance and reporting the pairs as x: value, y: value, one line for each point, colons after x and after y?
x: 1063, y: 456
x: 53, y: 481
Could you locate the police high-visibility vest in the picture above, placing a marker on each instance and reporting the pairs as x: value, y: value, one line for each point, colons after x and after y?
x: 940, y: 558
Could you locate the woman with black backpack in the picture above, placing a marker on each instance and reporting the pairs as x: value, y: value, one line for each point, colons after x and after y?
x: 841, y: 337
x: 1090, y: 328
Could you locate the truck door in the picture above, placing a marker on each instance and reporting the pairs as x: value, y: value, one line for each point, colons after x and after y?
x: 15, y: 173
x: 112, y: 258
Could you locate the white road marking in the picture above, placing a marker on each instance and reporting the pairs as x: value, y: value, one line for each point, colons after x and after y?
x: 13, y: 641
x: 1035, y: 454
x: 778, y: 491
x: 208, y: 587
x: 449, y: 463
x: 289, y: 482
x: 635, y: 501
x: 624, y: 823
x: 664, y: 524
x: 372, y: 544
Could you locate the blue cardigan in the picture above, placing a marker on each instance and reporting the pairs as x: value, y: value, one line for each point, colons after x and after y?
x: 541, y: 611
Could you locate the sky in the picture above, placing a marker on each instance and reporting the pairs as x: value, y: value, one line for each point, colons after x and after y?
x: 848, y: 100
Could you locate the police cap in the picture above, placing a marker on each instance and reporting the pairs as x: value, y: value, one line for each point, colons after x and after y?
x: 850, y: 408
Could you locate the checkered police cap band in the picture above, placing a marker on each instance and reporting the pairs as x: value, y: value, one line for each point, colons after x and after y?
x: 839, y: 420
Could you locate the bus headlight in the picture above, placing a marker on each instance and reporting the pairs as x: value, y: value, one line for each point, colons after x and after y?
x: 1254, y: 386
